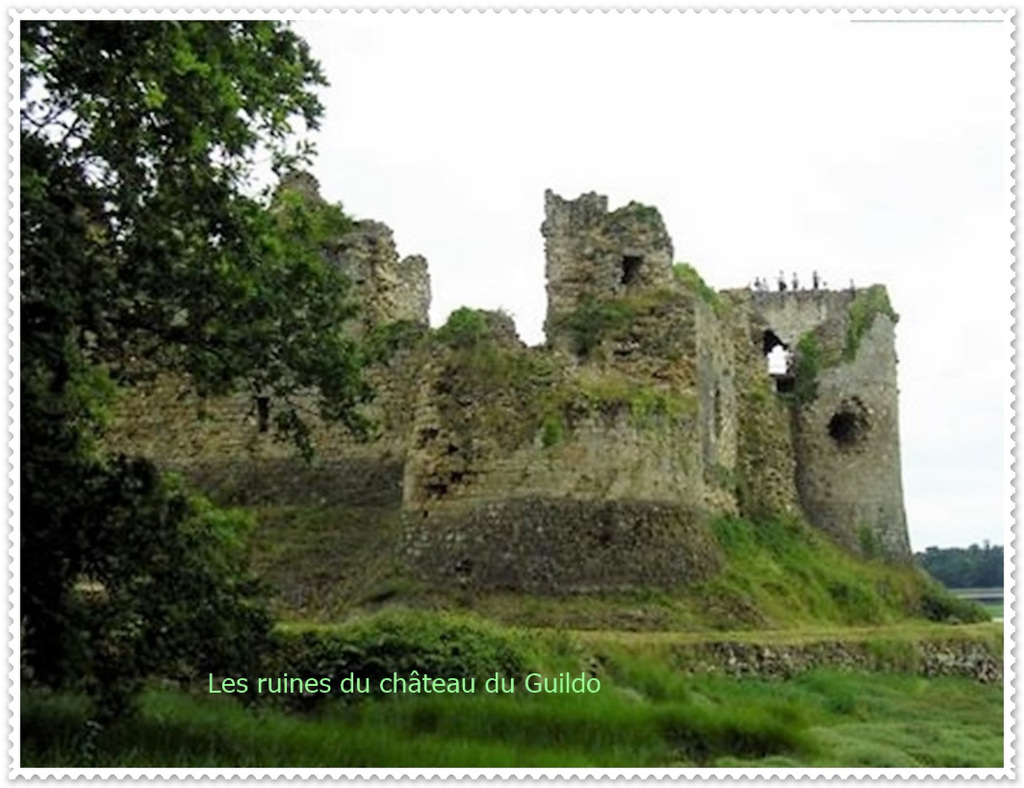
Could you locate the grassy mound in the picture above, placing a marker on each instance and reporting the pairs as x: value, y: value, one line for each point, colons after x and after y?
x: 332, y: 563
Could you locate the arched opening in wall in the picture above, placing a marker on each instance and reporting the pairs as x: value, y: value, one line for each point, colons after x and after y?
x: 778, y: 361
x: 850, y: 423
x: 777, y: 357
x: 631, y: 269
x: 770, y: 340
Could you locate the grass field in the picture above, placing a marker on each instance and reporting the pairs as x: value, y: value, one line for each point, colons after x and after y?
x: 993, y: 609
x: 646, y: 716
x: 781, y: 583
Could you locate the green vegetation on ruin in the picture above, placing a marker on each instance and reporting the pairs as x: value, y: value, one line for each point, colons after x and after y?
x: 809, y: 361
x: 610, y: 395
x: 515, y: 392
x: 384, y: 340
x: 465, y: 327
x: 690, y: 278
x: 597, y: 320
x: 861, y: 313
x: 812, y: 357
x: 635, y: 211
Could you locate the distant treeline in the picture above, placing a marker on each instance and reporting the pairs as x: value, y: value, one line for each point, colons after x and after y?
x: 964, y: 567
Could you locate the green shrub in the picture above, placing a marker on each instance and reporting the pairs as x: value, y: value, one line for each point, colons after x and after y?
x: 611, y: 395
x: 439, y: 645
x: 552, y: 430
x: 385, y: 339
x: 870, y: 545
x: 806, y: 367
x: 593, y: 321
x: 938, y: 604
x: 465, y: 327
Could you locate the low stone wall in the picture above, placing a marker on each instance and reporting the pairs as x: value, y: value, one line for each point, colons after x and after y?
x: 969, y: 658
x: 561, y: 546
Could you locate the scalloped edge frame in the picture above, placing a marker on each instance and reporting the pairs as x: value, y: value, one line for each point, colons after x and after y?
x: 12, y: 447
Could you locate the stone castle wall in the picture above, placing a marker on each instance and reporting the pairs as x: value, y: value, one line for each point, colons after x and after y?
x: 846, y: 438
x: 848, y: 451
x: 597, y: 462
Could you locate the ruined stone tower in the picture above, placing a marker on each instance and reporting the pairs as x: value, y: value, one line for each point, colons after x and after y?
x: 846, y: 429
x: 834, y: 412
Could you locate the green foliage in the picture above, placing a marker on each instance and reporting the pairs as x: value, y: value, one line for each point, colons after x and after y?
x: 870, y: 545
x: 552, y: 429
x: 611, y: 395
x: 384, y: 340
x: 593, y: 321
x: 645, y: 213
x: 465, y: 328
x: 807, y: 364
x: 938, y: 604
x: 142, y: 253
x: 689, y: 278
x: 964, y: 567
x: 861, y: 314
x: 439, y: 645
x: 174, y: 598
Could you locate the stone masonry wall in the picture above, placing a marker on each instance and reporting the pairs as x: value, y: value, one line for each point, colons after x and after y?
x: 766, y: 463
x: 219, y: 444
x: 385, y: 289
x: 592, y: 253
x: 846, y: 437
x: 848, y: 451
x: 510, y: 482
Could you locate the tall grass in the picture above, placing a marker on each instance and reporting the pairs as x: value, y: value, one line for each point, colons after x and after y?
x: 645, y: 715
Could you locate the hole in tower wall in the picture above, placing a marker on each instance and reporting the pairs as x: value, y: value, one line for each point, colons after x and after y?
x: 631, y: 269
x: 778, y: 361
x: 849, y: 424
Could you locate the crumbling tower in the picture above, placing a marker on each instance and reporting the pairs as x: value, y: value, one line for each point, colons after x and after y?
x: 385, y: 288
x: 594, y: 255
x: 845, y: 411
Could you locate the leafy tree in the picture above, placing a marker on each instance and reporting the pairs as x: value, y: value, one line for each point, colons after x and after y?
x: 146, y: 250
x: 964, y: 567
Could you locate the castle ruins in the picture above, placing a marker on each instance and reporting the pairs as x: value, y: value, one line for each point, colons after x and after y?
x: 596, y: 461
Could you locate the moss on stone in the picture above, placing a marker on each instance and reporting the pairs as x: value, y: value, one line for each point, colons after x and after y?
x: 612, y: 395
x: 806, y: 367
x: 689, y: 278
x: 597, y: 320
x: 861, y: 314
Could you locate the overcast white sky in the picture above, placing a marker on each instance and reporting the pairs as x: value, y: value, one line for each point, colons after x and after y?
x: 877, y: 152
